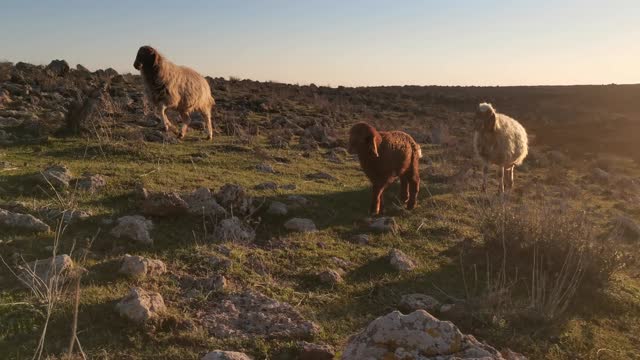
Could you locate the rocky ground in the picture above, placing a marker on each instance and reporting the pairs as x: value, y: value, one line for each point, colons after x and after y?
x: 258, y: 245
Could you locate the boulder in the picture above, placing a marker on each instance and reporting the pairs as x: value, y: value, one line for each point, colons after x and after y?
x: 234, y: 230
x: 297, y: 201
x: 140, y: 267
x: 265, y: 168
x: 416, y: 336
x: 361, y: 239
x: 300, y: 225
x: 164, y: 204
x: 400, y: 261
x: 134, y: 227
x: 226, y: 355
x: 58, y: 67
x: 23, y: 222
x: 141, y: 306
x: 269, y: 185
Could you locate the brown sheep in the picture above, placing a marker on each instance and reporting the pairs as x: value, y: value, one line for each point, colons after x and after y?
x: 170, y: 86
x: 384, y: 157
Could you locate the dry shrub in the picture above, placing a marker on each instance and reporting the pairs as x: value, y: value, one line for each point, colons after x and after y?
x: 538, y: 257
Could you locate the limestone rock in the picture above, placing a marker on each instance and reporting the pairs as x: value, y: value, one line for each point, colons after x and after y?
x: 140, y: 267
x: 383, y: 224
x: 310, y: 351
x: 141, y: 306
x: 413, y: 302
x: 234, y: 199
x: 164, y: 204
x: 300, y: 225
x: 330, y: 277
x: 277, y: 208
x: 46, y: 270
x: 400, y: 261
x: 91, y: 183
x: 201, y: 201
x: 23, y: 222
x: 56, y: 175
x: 234, y: 230
x: 226, y: 355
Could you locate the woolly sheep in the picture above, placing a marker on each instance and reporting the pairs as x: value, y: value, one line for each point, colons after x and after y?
x: 500, y: 140
x: 384, y: 157
x: 170, y: 86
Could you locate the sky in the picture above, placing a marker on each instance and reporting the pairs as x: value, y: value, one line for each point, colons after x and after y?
x: 341, y: 42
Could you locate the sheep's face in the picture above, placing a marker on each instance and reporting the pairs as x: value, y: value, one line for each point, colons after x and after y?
x: 485, y: 121
x: 364, y: 139
x: 146, y: 58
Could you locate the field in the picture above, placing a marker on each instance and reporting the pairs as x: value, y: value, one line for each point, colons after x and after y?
x: 288, y: 134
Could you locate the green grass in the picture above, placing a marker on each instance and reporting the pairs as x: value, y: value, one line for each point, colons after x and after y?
x: 281, y: 265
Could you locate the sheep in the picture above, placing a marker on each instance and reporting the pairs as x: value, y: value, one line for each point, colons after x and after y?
x: 501, y: 140
x: 384, y: 157
x: 170, y: 86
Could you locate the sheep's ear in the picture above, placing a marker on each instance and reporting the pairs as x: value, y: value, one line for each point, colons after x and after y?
x: 490, y: 121
x: 374, y: 146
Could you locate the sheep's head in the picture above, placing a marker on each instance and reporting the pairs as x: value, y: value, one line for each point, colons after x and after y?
x: 147, y: 57
x: 364, y: 139
x: 485, y: 118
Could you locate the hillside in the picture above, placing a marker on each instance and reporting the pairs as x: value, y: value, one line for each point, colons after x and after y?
x: 548, y: 272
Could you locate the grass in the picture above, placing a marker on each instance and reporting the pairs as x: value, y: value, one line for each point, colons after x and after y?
x: 282, y: 265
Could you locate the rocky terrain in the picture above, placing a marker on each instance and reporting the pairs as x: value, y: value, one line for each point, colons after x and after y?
x: 127, y: 243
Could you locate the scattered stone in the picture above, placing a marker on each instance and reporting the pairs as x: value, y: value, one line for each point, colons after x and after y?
x: 42, y: 273
x: 134, y: 227
x: 141, y: 306
x: 226, y: 355
x: 383, y: 224
x: 140, y: 267
x: 600, y: 176
x: 234, y: 230
x: 300, y: 225
x: 201, y: 201
x: 298, y: 201
x: 277, y: 208
x: 400, y: 261
x: 418, y: 335
x: 250, y: 314
x: 67, y: 216
x: 627, y: 224
x: 289, y: 187
x: 56, y: 175
x: 24, y: 222
x: 343, y: 264
x: 361, y: 239
x: 91, y: 183
x: 58, y: 67
x: 234, y: 198
x: 219, y: 262
x: 217, y: 283
x: 269, y: 185
x: 413, y: 302
x: 330, y: 277
x: 309, y: 351
x: 164, y: 204
x: 265, y: 168
x: 320, y: 176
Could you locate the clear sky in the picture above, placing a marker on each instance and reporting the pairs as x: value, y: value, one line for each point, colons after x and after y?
x: 341, y: 42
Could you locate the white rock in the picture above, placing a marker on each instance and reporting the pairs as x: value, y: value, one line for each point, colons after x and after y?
x: 141, y: 305
x: 416, y: 336
x: 140, y: 267
x: 300, y: 225
x: 58, y: 175
x: 234, y: 199
x: 226, y: 355
x: 201, y: 201
x: 22, y: 222
x: 330, y: 277
x: 46, y: 270
x: 383, y: 224
x: 265, y: 168
x: 134, y: 227
x: 91, y: 183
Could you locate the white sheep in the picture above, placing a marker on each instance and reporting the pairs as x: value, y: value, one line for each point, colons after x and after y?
x: 170, y: 86
x: 501, y: 140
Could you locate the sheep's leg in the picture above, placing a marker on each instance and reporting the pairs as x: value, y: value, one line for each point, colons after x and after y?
x: 207, y: 115
x: 510, y: 172
x: 165, y: 120
x: 404, y: 189
x: 414, y: 187
x: 186, y: 120
x: 377, y: 201
x: 501, y: 185
x: 485, y: 174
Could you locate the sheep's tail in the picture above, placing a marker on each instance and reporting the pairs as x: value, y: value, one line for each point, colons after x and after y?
x: 417, y: 149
